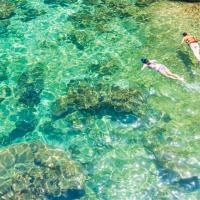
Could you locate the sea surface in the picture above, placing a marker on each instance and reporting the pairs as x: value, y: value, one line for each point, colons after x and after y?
x: 78, y: 117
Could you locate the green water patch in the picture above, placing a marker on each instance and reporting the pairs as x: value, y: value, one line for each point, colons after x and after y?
x: 27, y: 95
x: 98, y: 140
x: 70, y: 75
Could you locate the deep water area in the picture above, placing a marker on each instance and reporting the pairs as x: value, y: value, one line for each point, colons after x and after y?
x: 78, y: 117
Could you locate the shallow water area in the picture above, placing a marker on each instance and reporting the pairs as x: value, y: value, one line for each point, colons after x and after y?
x: 72, y: 93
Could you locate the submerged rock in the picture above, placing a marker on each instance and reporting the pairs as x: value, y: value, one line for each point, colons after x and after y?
x: 34, y: 170
x: 99, y: 18
x: 99, y: 100
x: 30, y: 86
x: 7, y: 9
x: 31, y: 13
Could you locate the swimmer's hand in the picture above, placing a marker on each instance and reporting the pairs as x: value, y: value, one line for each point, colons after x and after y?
x: 143, y: 67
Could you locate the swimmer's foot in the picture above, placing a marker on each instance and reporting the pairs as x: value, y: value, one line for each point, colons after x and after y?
x: 182, y: 79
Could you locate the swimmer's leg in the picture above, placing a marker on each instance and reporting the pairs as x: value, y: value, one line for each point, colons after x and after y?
x: 169, y: 74
x: 196, y: 50
x: 172, y: 75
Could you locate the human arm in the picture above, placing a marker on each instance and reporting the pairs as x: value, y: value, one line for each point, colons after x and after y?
x: 143, y: 67
x: 182, y: 41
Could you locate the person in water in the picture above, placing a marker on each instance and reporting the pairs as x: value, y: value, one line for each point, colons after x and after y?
x: 193, y: 44
x: 153, y: 64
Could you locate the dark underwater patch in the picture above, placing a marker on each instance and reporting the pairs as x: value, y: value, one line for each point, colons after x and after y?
x: 72, y: 38
x: 3, y: 69
x: 52, y: 133
x: 4, y: 26
x: 60, y: 2
x: 185, y: 58
x: 31, y: 96
x: 30, y: 85
x: 166, y: 118
x: 171, y: 177
x: 26, y: 122
x: 144, y: 3
x: 70, y: 194
x: 91, y: 2
x: 22, y: 127
x: 31, y: 14
x: 190, y: 184
x: 1, y: 99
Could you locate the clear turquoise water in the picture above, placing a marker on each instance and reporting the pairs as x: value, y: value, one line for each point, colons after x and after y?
x: 86, y: 54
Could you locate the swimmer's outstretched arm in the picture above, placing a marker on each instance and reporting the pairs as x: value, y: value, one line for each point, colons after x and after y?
x: 143, y: 67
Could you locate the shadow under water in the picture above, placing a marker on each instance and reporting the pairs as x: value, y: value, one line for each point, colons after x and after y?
x: 170, y: 177
x: 187, y: 62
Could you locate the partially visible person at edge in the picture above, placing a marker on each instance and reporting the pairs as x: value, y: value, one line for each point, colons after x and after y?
x: 162, y: 69
x: 193, y: 44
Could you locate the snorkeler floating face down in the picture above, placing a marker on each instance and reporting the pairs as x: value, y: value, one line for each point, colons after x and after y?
x: 192, y: 42
x: 162, y: 69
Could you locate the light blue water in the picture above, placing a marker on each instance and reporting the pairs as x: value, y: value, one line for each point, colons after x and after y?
x: 72, y: 94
